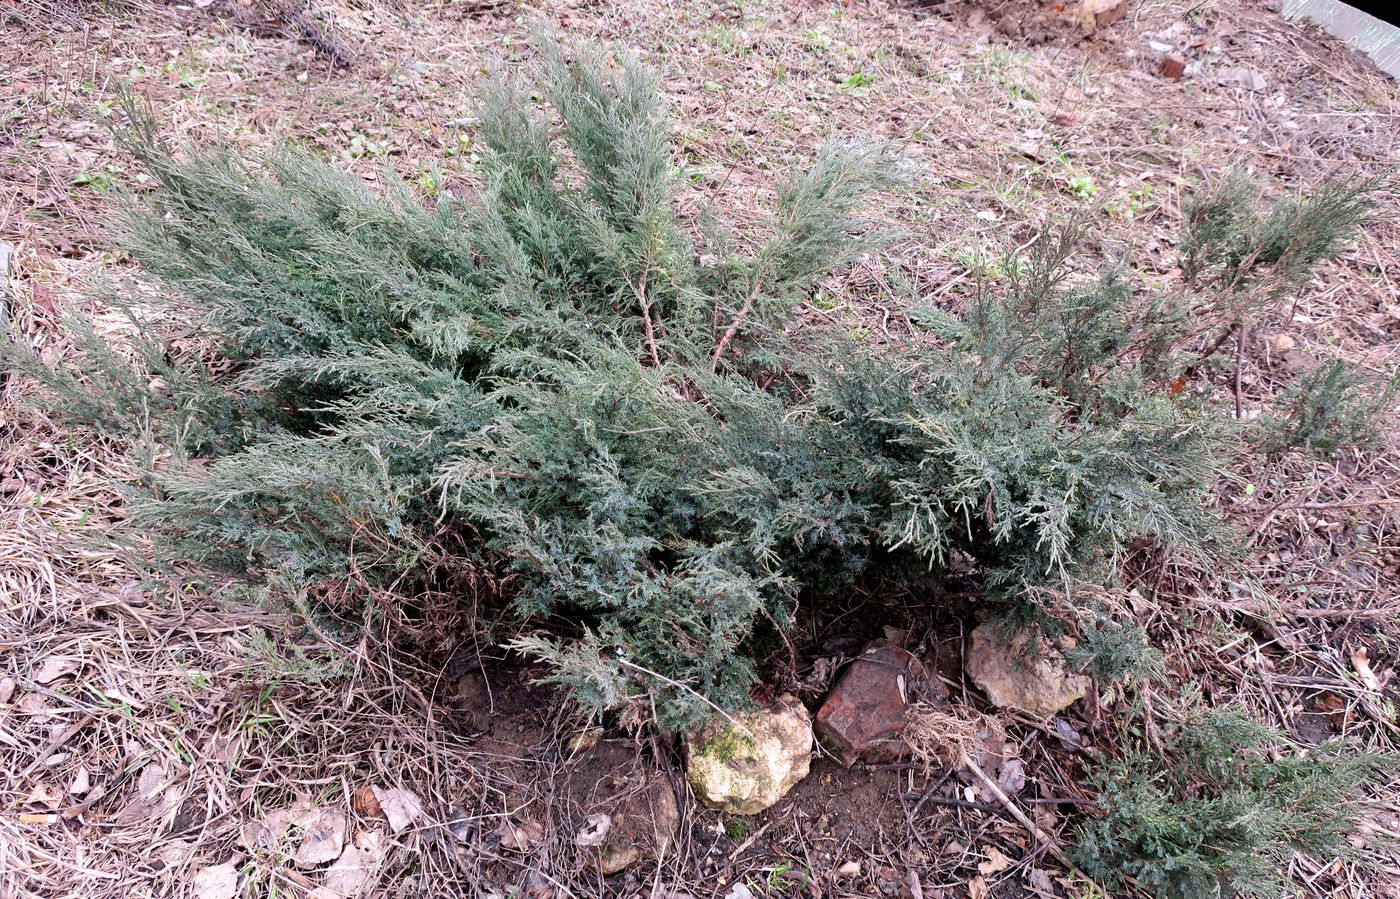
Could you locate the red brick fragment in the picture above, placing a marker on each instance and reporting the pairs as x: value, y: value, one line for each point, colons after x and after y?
x: 1171, y: 66
x: 864, y: 716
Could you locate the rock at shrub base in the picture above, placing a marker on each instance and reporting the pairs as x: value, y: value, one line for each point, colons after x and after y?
x: 864, y: 717
x: 1098, y: 14
x: 1017, y: 674
x: 744, y: 771
x: 642, y: 826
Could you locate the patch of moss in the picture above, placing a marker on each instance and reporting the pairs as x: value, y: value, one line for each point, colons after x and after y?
x: 726, y: 744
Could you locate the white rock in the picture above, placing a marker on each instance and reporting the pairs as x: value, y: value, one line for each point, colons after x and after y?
x: 744, y: 770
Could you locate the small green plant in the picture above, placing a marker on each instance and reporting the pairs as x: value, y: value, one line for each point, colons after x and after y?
x: 1082, y: 186
x: 183, y: 76
x: 818, y: 40
x: 429, y: 182
x: 782, y: 878
x: 999, y: 59
x: 730, y: 42
x: 101, y: 180
x: 261, y: 720
x: 1256, y: 257
x: 1137, y: 201
x: 1329, y: 408
x: 979, y: 262
x: 736, y: 829
x: 1001, y: 65
x: 858, y: 81
x: 1221, y: 808
x: 777, y: 878
x: 362, y: 146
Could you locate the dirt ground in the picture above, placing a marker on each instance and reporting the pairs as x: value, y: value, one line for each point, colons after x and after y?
x: 162, y: 737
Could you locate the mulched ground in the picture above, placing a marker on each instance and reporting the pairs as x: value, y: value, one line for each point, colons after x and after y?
x: 153, y: 730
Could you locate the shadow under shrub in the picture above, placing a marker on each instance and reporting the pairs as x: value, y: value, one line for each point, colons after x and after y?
x: 626, y: 421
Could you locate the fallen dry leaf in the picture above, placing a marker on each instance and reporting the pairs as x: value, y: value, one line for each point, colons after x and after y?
x: 595, y: 828
x: 216, y: 882
x: 1012, y: 776
x: 996, y: 862
x: 1333, y: 706
x: 399, y: 807
x: 52, y: 668
x: 1241, y: 76
x: 323, y: 838
x: 1041, y: 883
x: 1362, y: 663
x: 519, y: 837
x: 585, y: 740
x: 35, y: 704
x: 118, y: 696
x: 44, y: 795
x: 272, y: 831
x: 175, y: 853
x: 226, y: 749
x: 1045, y: 817
x: 148, y: 801
x: 353, y: 873
x: 364, y: 802
x: 977, y: 888
x: 41, y: 299
x: 7, y: 689
x: 537, y: 886
x: 151, y: 780
x: 82, y: 781
x: 460, y: 825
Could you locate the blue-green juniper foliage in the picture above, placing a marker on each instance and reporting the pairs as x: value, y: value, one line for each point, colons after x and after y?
x: 626, y: 426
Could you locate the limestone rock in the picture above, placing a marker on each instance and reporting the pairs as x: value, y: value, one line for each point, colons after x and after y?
x: 864, y: 716
x: 1097, y: 14
x: 1008, y: 668
x: 744, y: 771
x: 642, y: 826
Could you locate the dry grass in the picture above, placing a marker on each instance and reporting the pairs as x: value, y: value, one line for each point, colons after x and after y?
x: 149, y: 719
x: 941, y: 735
x: 146, y: 727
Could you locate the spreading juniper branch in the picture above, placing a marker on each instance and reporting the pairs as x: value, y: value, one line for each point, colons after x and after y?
x: 624, y: 426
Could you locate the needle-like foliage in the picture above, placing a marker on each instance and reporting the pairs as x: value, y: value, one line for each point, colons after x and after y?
x: 626, y: 425
x: 1219, y: 809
